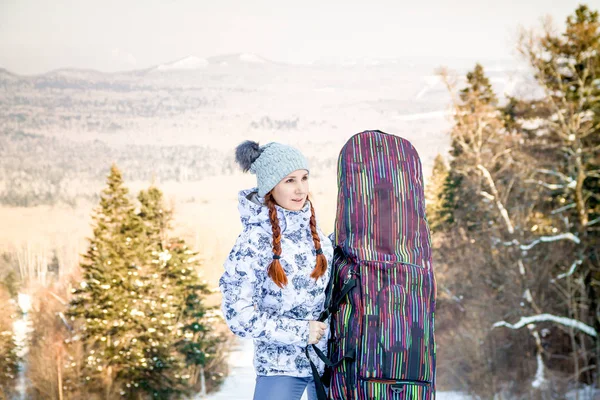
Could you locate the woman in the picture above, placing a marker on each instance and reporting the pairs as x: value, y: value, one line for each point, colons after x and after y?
x: 275, y: 276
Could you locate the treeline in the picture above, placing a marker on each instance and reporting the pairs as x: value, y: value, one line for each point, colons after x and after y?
x: 515, y: 214
x: 37, y: 170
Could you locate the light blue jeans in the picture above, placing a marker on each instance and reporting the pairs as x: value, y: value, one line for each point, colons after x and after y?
x: 282, y: 387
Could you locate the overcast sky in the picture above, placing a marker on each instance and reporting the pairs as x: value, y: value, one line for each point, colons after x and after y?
x: 40, y: 35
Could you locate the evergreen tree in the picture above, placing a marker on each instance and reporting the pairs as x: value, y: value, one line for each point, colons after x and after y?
x: 139, y: 308
x: 9, y: 365
x: 12, y: 284
x: 160, y: 371
x: 566, y: 144
x: 101, y: 305
x: 434, y: 192
x: 532, y: 188
x: 54, y: 265
x: 483, y: 207
x: 475, y: 137
x: 179, y: 322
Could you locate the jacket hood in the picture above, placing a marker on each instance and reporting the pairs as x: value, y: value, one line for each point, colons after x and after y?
x: 253, y: 212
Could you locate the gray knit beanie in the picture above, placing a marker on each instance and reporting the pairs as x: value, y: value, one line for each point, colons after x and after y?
x: 271, y: 162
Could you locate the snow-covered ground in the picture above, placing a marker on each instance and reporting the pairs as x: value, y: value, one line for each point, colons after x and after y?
x: 23, y: 329
x: 240, y: 383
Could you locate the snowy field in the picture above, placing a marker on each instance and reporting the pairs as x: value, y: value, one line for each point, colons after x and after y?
x: 240, y: 383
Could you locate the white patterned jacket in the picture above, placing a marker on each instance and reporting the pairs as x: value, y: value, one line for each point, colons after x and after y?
x: 254, y: 307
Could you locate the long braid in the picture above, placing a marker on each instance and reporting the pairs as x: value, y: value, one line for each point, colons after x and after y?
x: 321, y: 266
x: 276, y: 271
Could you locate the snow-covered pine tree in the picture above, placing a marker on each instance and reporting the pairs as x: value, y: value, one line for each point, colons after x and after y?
x: 542, y: 211
x: 139, y: 310
x: 181, y: 335
x: 477, y: 126
x: 484, y: 205
x: 563, y: 133
x: 155, y: 369
x: 101, y: 307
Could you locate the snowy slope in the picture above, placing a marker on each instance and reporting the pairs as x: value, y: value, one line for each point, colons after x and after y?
x: 188, y: 63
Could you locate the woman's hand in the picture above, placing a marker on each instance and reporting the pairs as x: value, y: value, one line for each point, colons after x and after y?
x: 316, y: 331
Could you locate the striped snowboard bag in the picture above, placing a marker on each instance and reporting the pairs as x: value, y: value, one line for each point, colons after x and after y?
x: 382, y: 290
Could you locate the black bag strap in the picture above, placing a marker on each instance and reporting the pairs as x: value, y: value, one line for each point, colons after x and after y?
x: 337, y: 252
x: 349, y: 284
x: 350, y: 356
x: 320, y: 381
x: 320, y: 388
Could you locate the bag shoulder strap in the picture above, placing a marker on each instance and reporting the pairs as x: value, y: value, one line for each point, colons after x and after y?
x: 330, y: 308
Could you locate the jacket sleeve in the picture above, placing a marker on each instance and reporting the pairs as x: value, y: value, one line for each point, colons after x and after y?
x: 332, y: 238
x: 240, y: 285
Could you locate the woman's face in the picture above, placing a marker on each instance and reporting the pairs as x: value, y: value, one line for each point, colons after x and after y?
x: 291, y: 192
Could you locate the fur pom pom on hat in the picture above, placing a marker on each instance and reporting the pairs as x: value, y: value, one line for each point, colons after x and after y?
x: 271, y: 162
x: 246, y: 153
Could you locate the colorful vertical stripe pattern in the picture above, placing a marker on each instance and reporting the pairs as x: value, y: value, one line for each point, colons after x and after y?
x: 382, y: 231
x: 381, y: 200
